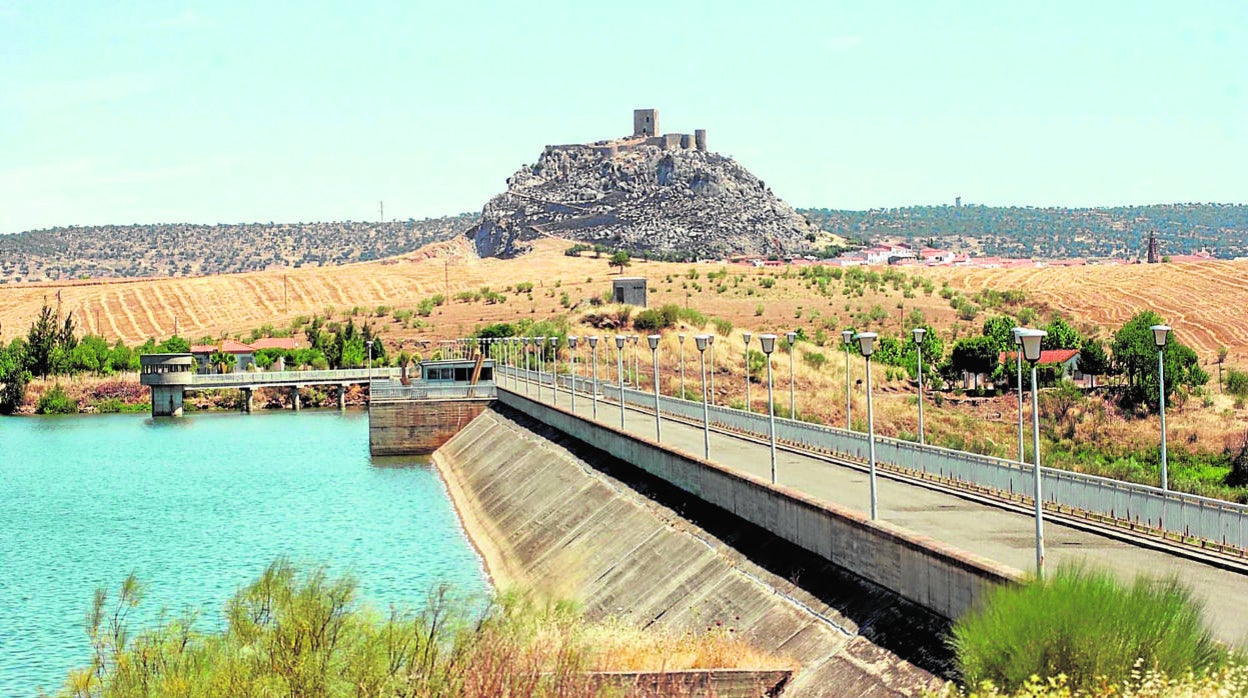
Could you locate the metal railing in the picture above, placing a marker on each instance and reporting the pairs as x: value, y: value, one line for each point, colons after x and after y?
x: 352, y: 375
x: 393, y: 390
x: 1139, y: 506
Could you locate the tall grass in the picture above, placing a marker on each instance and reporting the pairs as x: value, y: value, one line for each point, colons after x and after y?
x: 295, y: 633
x: 1086, y: 625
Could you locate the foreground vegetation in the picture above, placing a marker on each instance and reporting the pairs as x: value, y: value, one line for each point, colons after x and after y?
x: 1082, y: 631
x: 306, y: 634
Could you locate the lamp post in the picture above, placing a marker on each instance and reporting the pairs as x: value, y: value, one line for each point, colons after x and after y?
x: 525, y: 342
x: 847, y: 336
x: 703, y: 341
x: 654, y: 349
x: 866, y: 345
x: 918, y: 333
x: 682, y: 365
x: 1160, y: 334
x: 636, y: 377
x: 619, y: 370
x: 572, y: 342
x: 1018, y: 351
x: 593, y: 347
x: 747, y: 336
x: 710, y: 344
x: 539, y: 343
x: 768, y: 341
x: 792, y: 337
x: 1031, y: 340
x: 370, y: 369
x: 554, y: 369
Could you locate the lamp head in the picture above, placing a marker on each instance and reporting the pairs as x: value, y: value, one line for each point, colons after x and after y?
x: 526, y: 340
x: 369, y: 343
x: 866, y: 343
x: 654, y: 341
x: 553, y: 340
x: 710, y: 340
x: 619, y: 341
x: 1031, y: 343
x: 769, y: 343
x: 702, y: 340
x: 572, y: 340
x: 1160, y: 334
x: 791, y: 336
x: 747, y: 336
x: 682, y: 338
x: 593, y: 341
x: 847, y: 336
x: 1018, y: 336
x: 918, y: 334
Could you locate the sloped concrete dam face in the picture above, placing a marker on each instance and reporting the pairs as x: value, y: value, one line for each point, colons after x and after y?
x: 550, y: 513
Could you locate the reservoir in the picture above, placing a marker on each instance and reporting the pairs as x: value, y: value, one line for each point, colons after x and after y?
x: 197, y: 507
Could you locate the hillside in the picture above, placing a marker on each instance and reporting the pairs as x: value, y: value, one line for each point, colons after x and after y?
x: 1052, y: 233
x: 669, y: 203
x: 183, y: 249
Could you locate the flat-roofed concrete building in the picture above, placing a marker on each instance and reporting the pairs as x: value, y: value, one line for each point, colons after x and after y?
x: 630, y: 290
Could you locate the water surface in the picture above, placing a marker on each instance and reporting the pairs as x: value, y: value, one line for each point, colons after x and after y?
x: 197, y: 507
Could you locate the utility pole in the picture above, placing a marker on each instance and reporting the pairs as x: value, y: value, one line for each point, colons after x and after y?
x: 381, y: 211
x: 447, y: 267
x: 285, y: 296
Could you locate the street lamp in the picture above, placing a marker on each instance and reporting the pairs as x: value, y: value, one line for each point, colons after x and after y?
x: 526, y: 341
x: 593, y: 347
x: 918, y: 333
x: 866, y: 345
x: 847, y: 336
x: 682, y: 365
x: 572, y: 342
x: 710, y: 343
x: 747, y: 336
x: 769, y: 345
x: 654, y: 349
x: 370, y: 369
x: 1031, y: 340
x: 703, y: 341
x: 1018, y: 352
x: 619, y: 370
x: 554, y: 369
x: 792, y: 337
x: 1160, y: 334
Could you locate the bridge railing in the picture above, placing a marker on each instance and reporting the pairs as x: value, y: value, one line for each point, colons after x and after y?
x: 290, y: 377
x: 1177, y: 513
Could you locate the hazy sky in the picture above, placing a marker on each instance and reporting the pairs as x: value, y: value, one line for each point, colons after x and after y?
x: 122, y: 112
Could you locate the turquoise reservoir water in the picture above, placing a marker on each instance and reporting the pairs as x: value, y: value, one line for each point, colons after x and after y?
x: 197, y: 507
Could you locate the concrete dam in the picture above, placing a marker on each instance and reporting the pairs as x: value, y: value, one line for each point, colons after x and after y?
x: 635, y: 530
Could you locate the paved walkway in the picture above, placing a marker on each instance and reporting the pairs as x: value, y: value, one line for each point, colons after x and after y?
x: 985, y: 530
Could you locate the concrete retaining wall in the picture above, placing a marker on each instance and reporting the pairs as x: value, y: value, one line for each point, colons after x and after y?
x: 933, y: 575
x: 418, y: 427
x: 548, y: 518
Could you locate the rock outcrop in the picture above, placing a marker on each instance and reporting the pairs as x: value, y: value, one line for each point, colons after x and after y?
x: 674, y: 203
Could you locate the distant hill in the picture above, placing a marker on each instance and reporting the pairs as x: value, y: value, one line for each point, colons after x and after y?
x: 184, y: 249
x: 1049, y: 233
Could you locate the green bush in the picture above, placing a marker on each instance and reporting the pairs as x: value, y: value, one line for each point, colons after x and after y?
x: 723, y: 327
x: 1085, y: 624
x: 55, y: 401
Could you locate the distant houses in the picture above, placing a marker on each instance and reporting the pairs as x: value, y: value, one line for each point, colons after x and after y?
x: 244, y: 354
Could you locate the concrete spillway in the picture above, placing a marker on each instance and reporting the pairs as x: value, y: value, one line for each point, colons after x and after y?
x: 549, y: 513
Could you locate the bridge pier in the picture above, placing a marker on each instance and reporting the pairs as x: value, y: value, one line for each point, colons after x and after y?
x: 167, y: 400
x: 248, y: 393
x: 342, y: 396
x: 294, y: 398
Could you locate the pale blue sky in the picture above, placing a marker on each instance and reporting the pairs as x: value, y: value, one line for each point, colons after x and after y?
x: 121, y: 112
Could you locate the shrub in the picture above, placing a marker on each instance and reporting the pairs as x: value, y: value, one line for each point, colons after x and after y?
x: 55, y: 401
x: 723, y: 327
x: 524, y: 287
x: 1085, y: 624
x: 814, y: 359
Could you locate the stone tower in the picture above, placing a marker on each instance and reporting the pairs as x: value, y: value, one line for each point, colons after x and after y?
x: 645, y: 122
x: 1153, y: 255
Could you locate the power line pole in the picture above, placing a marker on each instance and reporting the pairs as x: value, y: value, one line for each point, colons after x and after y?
x: 381, y: 211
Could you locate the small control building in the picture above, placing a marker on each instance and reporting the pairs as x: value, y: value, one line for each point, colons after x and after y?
x: 629, y: 290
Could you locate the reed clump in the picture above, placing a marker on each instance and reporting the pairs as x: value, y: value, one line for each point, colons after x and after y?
x: 303, y: 633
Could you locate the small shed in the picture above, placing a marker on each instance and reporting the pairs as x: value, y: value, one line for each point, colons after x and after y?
x: 630, y: 290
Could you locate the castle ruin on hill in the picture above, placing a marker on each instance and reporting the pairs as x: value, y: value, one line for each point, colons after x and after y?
x: 645, y: 132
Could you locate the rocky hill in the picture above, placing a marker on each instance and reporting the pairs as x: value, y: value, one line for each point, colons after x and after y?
x: 663, y: 202
x: 184, y: 249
